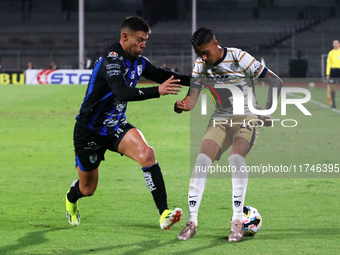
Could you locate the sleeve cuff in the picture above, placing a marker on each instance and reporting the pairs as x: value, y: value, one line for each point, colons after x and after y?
x: 264, y: 71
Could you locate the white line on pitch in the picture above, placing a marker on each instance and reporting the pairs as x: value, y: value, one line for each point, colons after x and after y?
x: 316, y: 102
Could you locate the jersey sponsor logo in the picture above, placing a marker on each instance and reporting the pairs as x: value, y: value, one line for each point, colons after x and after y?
x: 111, y: 122
x: 113, y: 54
x: 113, y: 119
x: 120, y: 107
x: 139, y: 70
x: 113, y: 72
x: 114, y: 65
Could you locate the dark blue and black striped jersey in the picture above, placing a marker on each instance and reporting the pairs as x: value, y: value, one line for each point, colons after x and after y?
x: 112, y: 85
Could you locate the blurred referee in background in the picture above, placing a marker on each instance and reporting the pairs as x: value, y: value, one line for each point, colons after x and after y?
x: 333, y: 69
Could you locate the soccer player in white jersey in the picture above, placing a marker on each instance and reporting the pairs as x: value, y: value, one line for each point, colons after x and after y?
x: 215, y: 61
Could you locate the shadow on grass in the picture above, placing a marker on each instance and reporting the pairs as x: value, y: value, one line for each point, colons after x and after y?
x: 30, y: 239
x: 147, y: 247
x: 296, y: 233
x: 140, y: 225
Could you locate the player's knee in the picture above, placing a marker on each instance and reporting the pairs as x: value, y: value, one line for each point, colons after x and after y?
x: 88, y: 190
x: 203, y: 160
x: 147, y: 157
x: 201, y: 168
x: 236, y: 160
x: 238, y: 164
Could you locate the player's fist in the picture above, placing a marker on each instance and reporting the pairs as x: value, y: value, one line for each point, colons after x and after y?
x: 180, y: 106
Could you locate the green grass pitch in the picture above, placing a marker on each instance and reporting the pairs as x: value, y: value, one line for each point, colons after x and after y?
x: 300, y: 215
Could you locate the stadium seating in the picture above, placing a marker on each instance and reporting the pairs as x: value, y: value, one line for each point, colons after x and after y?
x: 49, y: 36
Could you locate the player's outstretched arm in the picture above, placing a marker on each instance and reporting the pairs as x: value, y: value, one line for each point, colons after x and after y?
x: 159, y: 75
x: 188, y: 102
x: 170, y: 86
x: 274, y: 82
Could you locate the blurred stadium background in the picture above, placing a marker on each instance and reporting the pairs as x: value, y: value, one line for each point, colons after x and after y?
x: 282, y: 32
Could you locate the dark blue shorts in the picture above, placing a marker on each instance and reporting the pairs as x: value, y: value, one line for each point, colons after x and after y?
x: 90, y: 147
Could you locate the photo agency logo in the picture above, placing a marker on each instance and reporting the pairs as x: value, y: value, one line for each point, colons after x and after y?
x: 231, y: 99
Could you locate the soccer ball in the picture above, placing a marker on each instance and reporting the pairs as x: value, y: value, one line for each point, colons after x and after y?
x: 252, y: 221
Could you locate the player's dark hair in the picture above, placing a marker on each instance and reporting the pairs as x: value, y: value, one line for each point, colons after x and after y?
x: 202, y: 36
x: 136, y: 23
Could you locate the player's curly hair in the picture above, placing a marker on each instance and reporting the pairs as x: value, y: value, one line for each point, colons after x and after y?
x: 136, y: 23
x: 202, y: 36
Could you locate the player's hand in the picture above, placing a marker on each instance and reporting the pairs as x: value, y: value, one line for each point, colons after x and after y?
x: 180, y: 106
x: 170, y: 86
x: 267, y: 121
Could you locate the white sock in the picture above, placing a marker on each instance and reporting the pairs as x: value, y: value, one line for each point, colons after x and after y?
x: 239, y: 183
x: 197, y: 184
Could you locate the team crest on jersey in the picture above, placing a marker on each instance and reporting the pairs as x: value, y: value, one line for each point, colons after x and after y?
x: 139, y: 70
x: 234, y: 67
x: 113, y: 54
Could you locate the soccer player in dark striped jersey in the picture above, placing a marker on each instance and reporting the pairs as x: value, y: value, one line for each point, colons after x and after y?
x: 101, y: 124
